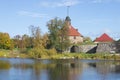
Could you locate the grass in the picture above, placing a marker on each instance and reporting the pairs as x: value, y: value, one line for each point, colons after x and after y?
x: 100, y: 56
x: 12, y: 54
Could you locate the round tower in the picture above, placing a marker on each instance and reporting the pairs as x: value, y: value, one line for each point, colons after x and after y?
x: 68, y: 20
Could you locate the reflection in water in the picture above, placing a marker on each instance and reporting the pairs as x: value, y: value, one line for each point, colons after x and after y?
x: 106, y: 67
x: 117, y: 68
x: 29, y: 69
x: 4, y: 65
x: 65, y: 70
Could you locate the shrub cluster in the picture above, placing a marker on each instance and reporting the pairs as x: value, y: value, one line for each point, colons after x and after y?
x: 41, y: 53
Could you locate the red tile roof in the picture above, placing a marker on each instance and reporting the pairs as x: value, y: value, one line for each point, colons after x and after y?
x: 73, y: 32
x: 104, y: 38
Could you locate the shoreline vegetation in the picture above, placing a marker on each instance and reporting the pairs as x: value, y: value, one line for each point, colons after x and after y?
x: 31, y: 54
x: 48, y: 45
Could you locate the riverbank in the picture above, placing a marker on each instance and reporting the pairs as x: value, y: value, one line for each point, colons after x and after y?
x: 100, y: 56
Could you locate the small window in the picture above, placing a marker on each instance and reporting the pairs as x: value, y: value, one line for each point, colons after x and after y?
x: 74, y: 37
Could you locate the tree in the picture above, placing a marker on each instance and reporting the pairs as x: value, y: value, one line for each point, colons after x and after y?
x: 45, y: 40
x: 53, y: 27
x: 87, y: 40
x: 64, y: 39
x: 58, y: 34
x: 17, y: 41
x: 25, y: 41
x: 5, y: 41
x: 36, y: 37
x: 118, y: 40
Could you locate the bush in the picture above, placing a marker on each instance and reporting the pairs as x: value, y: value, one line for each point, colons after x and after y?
x: 36, y: 53
x: 51, y: 52
x: 41, y: 53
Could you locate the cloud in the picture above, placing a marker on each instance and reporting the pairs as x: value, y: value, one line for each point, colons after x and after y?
x: 70, y: 2
x: 104, y: 1
x: 60, y: 3
x: 31, y: 14
x: 106, y: 30
x: 63, y: 3
x: 97, y: 1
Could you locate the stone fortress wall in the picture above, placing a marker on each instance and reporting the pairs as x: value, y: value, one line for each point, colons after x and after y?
x: 113, y: 47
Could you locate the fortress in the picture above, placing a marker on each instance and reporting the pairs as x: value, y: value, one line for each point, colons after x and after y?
x: 104, y: 43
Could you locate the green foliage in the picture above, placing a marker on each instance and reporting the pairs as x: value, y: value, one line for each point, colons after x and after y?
x: 38, y: 40
x: 54, y: 27
x: 87, y: 41
x: 118, y: 40
x: 58, y: 34
x: 45, y: 40
x: 26, y: 41
x: 99, y: 56
x: 51, y: 52
x: 36, y: 53
x: 17, y: 41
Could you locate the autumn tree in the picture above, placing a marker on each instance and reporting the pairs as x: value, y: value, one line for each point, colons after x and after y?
x: 5, y: 41
x: 36, y: 37
x: 25, y: 41
x: 45, y: 40
x: 17, y: 41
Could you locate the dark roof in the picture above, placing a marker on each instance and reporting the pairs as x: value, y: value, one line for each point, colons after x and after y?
x: 104, y: 38
x: 67, y: 18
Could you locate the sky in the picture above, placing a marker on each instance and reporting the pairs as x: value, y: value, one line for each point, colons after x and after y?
x: 92, y: 18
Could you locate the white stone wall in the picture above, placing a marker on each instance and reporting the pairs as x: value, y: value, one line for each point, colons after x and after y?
x: 76, y: 39
x: 87, y: 48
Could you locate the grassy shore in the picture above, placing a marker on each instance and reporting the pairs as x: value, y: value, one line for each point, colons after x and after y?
x: 100, y: 56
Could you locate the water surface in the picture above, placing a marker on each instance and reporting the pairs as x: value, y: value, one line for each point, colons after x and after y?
x: 30, y: 69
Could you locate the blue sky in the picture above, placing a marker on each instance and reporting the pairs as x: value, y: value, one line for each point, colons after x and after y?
x: 90, y: 17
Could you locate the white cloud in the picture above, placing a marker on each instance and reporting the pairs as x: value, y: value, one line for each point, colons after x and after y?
x: 106, y: 30
x: 103, y: 1
x: 60, y: 3
x: 31, y: 14
x: 70, y: 2
x: 97, y: 1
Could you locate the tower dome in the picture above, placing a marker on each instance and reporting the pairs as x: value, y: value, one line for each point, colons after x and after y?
x: 68, y: 19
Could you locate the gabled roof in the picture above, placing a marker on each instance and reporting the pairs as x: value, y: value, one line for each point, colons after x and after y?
x: 104, y: 38
x: 73, y: 32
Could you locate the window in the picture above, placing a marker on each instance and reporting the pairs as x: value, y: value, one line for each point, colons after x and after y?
x: 74, y: 37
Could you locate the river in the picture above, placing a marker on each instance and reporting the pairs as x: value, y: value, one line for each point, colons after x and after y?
x: 70, y: 69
